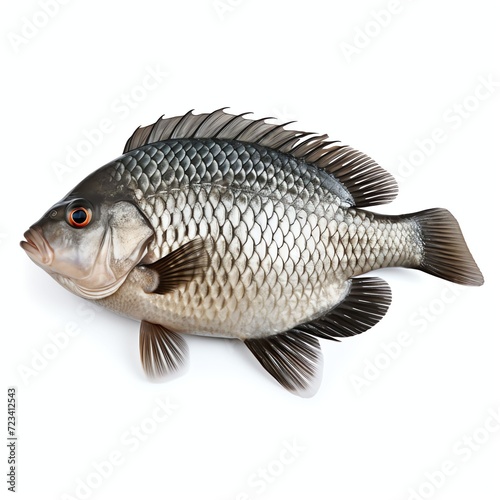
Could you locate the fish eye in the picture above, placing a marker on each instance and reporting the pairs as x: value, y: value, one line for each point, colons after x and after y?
x: 79, y: 217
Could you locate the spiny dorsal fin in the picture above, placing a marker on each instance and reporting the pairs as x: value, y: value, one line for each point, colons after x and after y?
x: 368, y: 183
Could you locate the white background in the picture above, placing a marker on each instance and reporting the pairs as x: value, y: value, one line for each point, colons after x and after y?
x: 228, y: 434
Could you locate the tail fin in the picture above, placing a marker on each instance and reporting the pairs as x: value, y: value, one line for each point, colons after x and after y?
x: 445, y: 253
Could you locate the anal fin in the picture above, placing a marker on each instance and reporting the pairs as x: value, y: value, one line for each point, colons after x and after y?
x: 162, y: 352
x: 363, y: 306
x: 293, y: 359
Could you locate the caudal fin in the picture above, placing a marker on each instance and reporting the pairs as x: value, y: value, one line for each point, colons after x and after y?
x: 445, y: 253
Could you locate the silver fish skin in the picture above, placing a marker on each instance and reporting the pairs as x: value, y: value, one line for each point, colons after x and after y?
x: 218, y: 225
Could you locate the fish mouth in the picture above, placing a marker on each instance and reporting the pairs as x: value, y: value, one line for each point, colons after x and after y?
x: 36, y: 247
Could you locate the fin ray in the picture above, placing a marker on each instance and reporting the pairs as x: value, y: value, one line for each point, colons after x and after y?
x: 162, y: 351
x: 293, y: 359
x: 445, y: 252
x: 364, y: 305
x: 180, y: 266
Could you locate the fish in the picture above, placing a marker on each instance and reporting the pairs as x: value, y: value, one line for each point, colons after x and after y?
x: 226, y: 226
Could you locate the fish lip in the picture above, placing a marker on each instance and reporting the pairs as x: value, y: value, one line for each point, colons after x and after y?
x: 36, y: 247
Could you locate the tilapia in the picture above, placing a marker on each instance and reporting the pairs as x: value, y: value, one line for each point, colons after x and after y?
x: 220, y: 225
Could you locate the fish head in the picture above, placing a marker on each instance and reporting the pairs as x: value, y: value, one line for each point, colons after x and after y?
x: 89, y: 242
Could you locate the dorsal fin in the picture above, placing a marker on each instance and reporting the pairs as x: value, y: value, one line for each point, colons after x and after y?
x: 368, y: 183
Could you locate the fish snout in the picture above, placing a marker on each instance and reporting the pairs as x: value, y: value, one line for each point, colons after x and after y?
x: 37, y: 247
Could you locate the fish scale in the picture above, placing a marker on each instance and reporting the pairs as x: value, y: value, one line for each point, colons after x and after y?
x: 271, y: 207
x: 218, y: 225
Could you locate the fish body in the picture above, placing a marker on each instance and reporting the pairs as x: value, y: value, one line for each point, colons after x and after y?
x: 278, y: 255
x: 219, y: 225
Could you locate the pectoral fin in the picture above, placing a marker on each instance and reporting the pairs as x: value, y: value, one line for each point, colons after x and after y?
x: 162, y: 352
x: 293, y: 359
x: 180, y: 266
